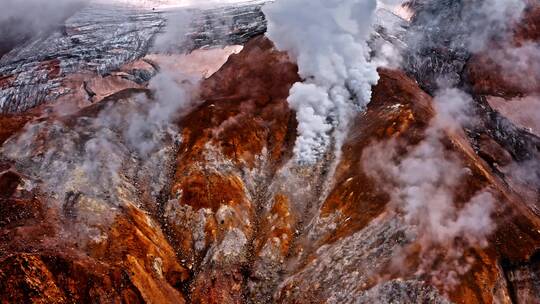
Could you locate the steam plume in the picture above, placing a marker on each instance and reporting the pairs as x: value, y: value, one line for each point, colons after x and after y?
x: 99, y: 159
x: 422, y: 186
x: 20, y: 20
x: 327, y: 38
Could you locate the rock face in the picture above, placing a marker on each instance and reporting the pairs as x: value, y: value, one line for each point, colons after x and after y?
x: 207, y: 206
x: 516, y: 58
x: 100, y: 39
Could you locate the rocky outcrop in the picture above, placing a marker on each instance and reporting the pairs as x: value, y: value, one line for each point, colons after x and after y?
x: 214, y: 209
x: 64, y: 241
x: 230, y: 227
x: 100, y: 38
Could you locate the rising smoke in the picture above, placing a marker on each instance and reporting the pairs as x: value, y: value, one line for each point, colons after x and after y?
x: 22, y: 19
x: 90, y: 165
x: 173, y: 97
x: 173, y: 38
x: 37, y: 15
x: 328, y: 40
x: 92, y: 168
x: 422, y: 184
x: 443, y: 34
x: 471, y: 25
x: 423, y: 181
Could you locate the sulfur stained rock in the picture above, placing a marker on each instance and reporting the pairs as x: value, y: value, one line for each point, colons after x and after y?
x: 220, y: 213
x: 492, y: 152
x: 509, y: 68
x: 11, y: 124
x: 352, y: 252
x: 93, y: 244
x: 137, y: 244
x: 232, y: 144
x: 33, y: 278
x: 132, y: 264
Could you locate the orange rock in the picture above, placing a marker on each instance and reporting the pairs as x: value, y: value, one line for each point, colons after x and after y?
x: 224, y: 232
x: 11, y: 124
x: 508, y: 68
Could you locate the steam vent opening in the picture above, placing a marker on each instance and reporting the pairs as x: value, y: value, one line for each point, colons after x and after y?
x: 269, y: 151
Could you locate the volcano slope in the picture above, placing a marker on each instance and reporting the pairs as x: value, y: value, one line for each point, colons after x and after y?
x: 215, y: 211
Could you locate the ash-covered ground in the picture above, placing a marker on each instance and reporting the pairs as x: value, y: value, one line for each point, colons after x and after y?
x: 100, y: 38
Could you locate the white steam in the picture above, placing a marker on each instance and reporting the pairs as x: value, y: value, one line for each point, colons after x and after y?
x: 327, y: 38
x: 490, y: 19
x: 93, y: 165
x: 467, y: 25
x: 172, y: 98
x: 423, y: 183
x: 520, y: 65
x: 106, y: 159
x: 32, y: 17
x: 443, y: 34
x: 174, y: 36
x: 40, y: 13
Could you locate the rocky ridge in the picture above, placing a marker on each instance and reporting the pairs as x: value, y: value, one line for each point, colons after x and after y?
x: 217, y: 213
x: 100, y: 39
